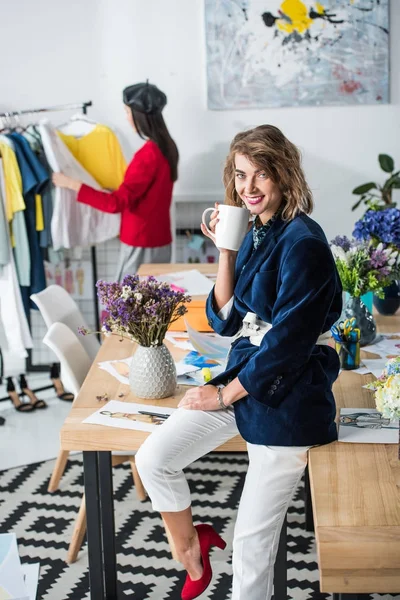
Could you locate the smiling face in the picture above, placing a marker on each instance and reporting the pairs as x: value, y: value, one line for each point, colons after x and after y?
x: 259, y: 193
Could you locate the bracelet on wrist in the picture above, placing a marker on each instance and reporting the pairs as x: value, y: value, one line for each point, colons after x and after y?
x: 221, y: 402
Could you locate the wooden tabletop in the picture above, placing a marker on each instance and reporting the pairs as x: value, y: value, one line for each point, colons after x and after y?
x: 356, y: 501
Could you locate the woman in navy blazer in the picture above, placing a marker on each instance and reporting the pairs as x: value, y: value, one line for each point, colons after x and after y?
x: 279, y: 296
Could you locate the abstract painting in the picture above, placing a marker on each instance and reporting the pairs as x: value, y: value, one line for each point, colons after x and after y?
x: 271, y: 53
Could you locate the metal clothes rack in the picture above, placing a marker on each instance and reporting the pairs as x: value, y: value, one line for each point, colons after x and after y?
x: 29, y: 366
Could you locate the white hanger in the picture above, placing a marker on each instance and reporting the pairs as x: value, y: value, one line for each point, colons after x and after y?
x: 78, y: 126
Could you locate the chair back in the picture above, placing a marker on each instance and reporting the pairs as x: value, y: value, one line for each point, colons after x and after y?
x: 57, y: 306
x: 75, y: 361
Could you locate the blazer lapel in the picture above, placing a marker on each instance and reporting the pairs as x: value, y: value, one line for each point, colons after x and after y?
x: 245, y: 252
x: 250, y: 263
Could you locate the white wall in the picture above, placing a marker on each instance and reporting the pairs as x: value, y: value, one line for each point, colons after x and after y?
x: 54, y: 51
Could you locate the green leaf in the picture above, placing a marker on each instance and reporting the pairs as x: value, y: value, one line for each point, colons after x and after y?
x: 396, y: 184
x: 391, y: 181
x: 386, y: 162
x: 357, y: 204
x: 363, y: 189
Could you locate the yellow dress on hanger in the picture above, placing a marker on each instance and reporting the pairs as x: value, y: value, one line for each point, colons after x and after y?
x: 100, y: 153
x: 13, y: 181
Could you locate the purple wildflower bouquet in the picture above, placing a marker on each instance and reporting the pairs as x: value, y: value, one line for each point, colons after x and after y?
x: 363, y: 267
x: 140, y: 309
x: 379, y: 226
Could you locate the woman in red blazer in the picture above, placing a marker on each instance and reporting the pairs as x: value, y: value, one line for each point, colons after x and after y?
x: 144, y: 197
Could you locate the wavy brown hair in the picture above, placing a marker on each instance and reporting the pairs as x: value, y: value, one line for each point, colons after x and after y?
x: 267, y: 148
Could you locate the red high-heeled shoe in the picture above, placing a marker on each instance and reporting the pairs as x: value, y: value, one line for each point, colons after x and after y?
x: 208, y: 537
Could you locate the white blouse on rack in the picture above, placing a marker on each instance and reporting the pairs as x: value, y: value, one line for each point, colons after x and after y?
x: 73, y: 223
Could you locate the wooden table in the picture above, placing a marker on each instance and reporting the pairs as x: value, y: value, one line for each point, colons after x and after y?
x: 356, y: 502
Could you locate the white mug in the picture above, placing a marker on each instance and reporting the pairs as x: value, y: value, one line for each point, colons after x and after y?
x: 232, y: 226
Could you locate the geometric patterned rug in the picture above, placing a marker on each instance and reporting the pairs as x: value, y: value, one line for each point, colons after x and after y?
x: 43, y: 524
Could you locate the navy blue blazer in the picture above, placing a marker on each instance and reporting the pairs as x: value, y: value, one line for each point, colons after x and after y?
x: 290, y: 281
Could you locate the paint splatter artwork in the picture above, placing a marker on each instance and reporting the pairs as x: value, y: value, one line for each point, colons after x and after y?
x: 270, y: 53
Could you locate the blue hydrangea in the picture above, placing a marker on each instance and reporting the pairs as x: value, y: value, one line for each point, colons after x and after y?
x: 383, y: 225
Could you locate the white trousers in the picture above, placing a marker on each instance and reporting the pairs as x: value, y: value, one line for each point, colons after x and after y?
x: 273, y: 475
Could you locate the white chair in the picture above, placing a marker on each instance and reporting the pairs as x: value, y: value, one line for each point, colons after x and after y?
x: 57, y: 306
x: 76, y: 363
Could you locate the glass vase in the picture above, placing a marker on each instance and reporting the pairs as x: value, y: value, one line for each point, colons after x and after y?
x: 152, y: 373
x: 355, y: 307
x: 391, y: 302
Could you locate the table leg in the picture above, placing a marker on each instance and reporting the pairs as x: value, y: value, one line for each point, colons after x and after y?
x: 309, y: 525
x: 280, y: 568
x: 108, y: 525
x: 93, y: 524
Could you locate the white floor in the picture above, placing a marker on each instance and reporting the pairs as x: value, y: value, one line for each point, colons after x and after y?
x: 27, y: 438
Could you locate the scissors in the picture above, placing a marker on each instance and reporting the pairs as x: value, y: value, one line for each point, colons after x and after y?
x: 336, y: 333
x: 348, y: 325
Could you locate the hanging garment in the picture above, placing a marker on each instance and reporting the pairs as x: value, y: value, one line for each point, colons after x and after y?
x: 15, y: 207
x: 143, y: 199
x: 12, y: 314
x: 74, y: 224
x: 100, y: 153
x: 32, y: 136
x: 5, y: 245
x: 34, y: 180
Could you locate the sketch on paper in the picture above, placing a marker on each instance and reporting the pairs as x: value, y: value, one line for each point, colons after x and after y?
x: 367, y: 425
x: 129, y: 415
x: 271, y: 53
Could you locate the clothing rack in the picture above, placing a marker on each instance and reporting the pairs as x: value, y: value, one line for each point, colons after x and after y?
x: 29, y: 366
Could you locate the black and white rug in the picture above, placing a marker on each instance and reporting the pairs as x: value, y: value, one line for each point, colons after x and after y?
x: 44, y: 522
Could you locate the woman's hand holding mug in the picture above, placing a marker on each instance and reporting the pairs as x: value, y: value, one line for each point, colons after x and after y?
x: 209, y: 231
x: 227, y: 227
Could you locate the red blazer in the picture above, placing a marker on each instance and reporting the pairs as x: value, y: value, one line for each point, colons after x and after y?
x: 143, y: 199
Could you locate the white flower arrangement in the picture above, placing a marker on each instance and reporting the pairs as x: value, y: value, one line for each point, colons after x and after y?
x: 387, y: 390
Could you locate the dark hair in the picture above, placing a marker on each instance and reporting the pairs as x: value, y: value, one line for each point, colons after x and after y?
x: 153, y: 127
x: 267, y: 148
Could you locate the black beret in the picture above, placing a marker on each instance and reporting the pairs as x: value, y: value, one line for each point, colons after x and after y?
x: 145, y: 98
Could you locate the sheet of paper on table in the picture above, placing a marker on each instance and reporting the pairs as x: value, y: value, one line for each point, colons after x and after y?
x: 372, y: 365
x: 367, y: 426
x: 197, y: 378
x: 211, y: 345
x: 375, y: 366
x: 180, y: 339
x: 117, y: 368
x: 387, y: 345
x: 191, y: 282
x: 122, y: 415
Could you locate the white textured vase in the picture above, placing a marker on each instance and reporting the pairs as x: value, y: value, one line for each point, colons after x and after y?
x: 152, y: 372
